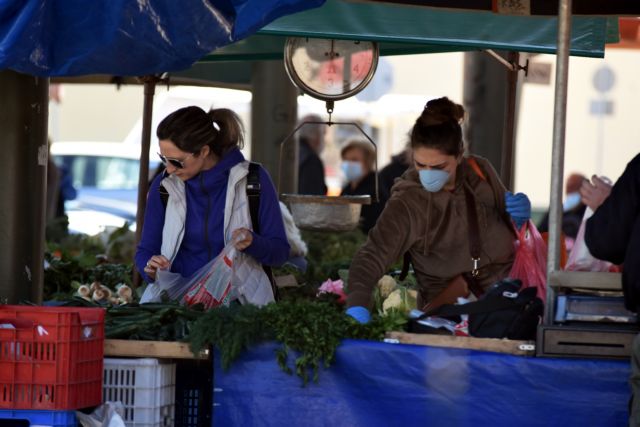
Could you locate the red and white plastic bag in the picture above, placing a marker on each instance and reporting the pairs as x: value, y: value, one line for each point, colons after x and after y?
x: 530, y: 264
x: 211, y: 285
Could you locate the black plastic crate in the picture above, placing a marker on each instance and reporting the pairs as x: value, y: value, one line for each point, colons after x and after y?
x: 194, y: 387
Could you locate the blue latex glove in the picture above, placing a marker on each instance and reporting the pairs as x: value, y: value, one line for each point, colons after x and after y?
x: 519, y: 207
x: 359, y: 313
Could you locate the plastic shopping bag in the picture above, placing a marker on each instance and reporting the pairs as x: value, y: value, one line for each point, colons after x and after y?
x: 211, y: 285
x: 580, y: 259
x: 530, y: 263
x: 110, y: 414
x: 173, y: 284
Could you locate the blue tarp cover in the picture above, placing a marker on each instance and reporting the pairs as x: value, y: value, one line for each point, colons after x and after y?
x: 377, y: 384
x: 126, y: 37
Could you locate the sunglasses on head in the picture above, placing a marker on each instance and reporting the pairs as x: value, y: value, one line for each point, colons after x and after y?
x: 176, y: 163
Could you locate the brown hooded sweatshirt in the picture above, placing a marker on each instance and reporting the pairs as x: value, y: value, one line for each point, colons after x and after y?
x: 433, y: 228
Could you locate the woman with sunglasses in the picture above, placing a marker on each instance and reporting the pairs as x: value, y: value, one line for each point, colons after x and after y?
x: 206, y: 171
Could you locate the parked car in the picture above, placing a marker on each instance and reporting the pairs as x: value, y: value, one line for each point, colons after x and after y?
x: 105, y: 175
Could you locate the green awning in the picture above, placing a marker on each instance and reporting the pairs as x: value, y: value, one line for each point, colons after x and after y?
x: 408, y: 30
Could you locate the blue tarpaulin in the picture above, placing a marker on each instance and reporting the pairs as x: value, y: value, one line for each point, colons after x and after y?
x: 126, y: 37
x: 377, y: 384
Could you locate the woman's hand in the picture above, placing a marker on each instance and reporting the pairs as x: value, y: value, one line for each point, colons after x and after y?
x: 594, y: 193
x: 155, y: 263
x: 242, y: 238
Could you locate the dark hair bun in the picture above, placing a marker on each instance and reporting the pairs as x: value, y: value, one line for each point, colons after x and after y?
x: 439, y: 127
x: 440, y: 111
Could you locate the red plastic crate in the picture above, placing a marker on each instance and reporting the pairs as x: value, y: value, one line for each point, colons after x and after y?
x: 52, y: 359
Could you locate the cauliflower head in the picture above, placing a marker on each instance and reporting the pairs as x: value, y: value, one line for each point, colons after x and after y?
x: 402, y: 299
x: 387, y: 284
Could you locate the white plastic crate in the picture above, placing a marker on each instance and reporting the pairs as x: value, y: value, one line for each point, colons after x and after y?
x: 146, y: 388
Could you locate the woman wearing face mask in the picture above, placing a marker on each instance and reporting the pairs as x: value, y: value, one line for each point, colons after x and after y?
x: 428, y: 217
x: 358, y: 160
x: 207, y: 205
x: 573, y: 209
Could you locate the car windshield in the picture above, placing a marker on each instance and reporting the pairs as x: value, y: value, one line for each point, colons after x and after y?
x: 106, y: 173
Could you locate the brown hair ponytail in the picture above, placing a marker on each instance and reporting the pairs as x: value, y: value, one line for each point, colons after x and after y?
x: 191, y: 128
x: 230, y: 133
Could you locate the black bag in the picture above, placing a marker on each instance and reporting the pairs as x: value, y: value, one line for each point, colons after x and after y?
x: 504, y: 311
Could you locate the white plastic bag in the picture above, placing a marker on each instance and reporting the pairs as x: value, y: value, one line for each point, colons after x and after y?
x: 580, y: 259
x: 174, y: 284
x: 110, y: 414
x: 210, y: 285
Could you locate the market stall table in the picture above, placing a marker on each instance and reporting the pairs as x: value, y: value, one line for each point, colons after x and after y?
x: 157, y: 349
x: 381, y: 384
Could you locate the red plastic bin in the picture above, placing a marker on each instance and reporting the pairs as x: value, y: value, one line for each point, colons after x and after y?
x: 51, y: 357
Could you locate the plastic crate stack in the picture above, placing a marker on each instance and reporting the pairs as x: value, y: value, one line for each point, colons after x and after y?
x: 146, y: 388
x: 50, y: 363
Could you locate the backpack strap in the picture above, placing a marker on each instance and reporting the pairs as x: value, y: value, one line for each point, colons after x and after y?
x: 473, y: 163
x: 253, y: 194
x: 164, y: 196
x: 475, y: 166
x: 406, y: 264
x: 475, y: 243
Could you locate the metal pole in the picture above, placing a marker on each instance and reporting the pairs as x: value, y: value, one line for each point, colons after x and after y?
x: 557, y: 158
x: 24, y: 109
x: 145, y: 145
x: 509, y: 134
x: 512, y: 66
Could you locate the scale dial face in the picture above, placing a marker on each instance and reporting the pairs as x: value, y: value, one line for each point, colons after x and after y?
x: 330, y: 70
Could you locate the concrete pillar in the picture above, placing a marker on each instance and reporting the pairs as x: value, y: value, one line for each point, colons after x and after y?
x: 492, y: 98
x: 485, y: 91
x: 274, y: 111
x: 23, y: 119
x: 507, y: 165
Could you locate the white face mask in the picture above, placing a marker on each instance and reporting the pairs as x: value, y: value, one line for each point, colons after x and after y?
x: 571, y: 201
x: 352, y: 170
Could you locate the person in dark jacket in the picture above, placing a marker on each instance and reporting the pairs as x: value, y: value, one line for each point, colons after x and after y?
x: 613, y: 234
x: 358, y: 160
x: 388, y: 174
x: 310, y: 166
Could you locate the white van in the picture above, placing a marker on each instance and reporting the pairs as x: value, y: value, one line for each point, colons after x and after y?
x: 105, y: 175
